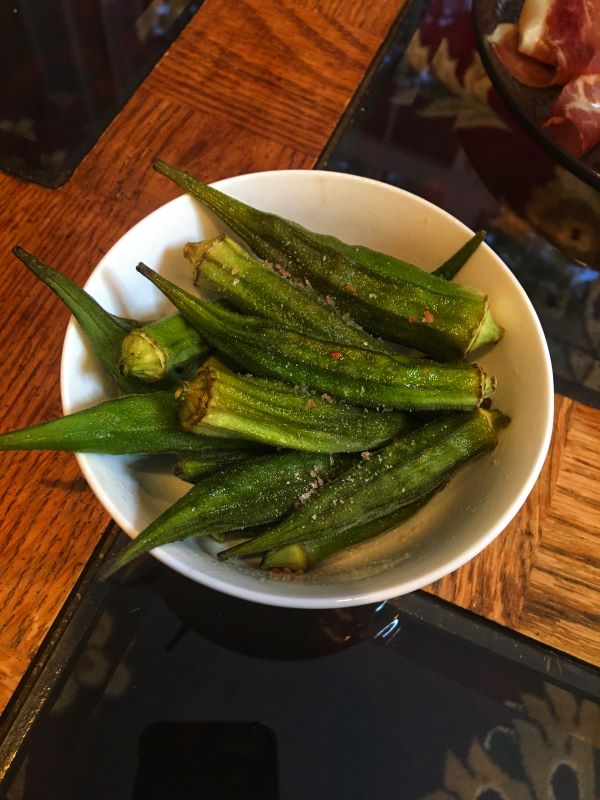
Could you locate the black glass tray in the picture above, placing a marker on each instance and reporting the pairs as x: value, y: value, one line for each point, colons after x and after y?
x: 181, y: 692
x: 429, y: 120
x: 66, y: 69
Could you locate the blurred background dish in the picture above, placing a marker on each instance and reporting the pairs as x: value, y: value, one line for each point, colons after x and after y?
x: 530, y: 106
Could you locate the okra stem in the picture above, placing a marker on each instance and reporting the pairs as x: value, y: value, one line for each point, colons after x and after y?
x: 224, y: 268
x: 361, y: 377
x: 392, y: 478
x: 244, y: 495
x: 425, y: 312
x: 164, y: 348
x: 130, y: 424
x: 218, y: 402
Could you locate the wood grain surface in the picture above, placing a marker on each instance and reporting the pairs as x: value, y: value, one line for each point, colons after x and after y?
x: 261, y: 87
x: 541, y: 576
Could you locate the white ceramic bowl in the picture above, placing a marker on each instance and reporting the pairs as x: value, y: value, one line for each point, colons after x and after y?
x: 450, y: 530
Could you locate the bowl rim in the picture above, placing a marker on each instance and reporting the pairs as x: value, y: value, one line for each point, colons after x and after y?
x: 347, y: 597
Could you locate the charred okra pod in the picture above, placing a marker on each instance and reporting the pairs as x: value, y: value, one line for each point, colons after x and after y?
x: 217, y: 402
x: 127, y: 425
x: 304, y: 555
x: 193, y: 468
x: 450, y: 268
x: 358, y: 376
x: 104, y: 331
x: 415, y: 308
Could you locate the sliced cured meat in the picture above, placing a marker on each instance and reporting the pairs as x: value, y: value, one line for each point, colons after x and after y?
x: 533, y: 24
x: 562, y: 34
x: 527, y: 70
x: 572, y: 31
x: 574, y: 121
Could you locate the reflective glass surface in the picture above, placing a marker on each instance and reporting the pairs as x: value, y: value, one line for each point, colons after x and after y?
x: 66, y: 68
x: 182, y: 692
x: 431, y: 122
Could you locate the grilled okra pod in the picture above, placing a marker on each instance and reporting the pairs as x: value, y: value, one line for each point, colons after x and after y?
x: 241, y: 496
x: 224, y: 268
x: 164, y: 348
x: 356, y: 375
x: 126, y: 425
x: 104, y: 331
x: 390, y: 479
x: 414, y: 307
x: 217, y: 402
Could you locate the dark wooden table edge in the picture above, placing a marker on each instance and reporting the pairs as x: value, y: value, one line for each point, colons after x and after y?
x: 50, y: 665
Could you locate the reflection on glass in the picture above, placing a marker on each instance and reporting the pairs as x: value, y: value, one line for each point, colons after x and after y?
x: 432, y: 123
x: 67, y: 68
x: 154, y: 707
x: 549, y: 749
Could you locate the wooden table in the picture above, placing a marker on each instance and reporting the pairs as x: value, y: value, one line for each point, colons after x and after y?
x: 260, y: 87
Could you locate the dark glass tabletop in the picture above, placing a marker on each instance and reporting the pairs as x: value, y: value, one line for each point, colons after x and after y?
x: 67, y: 68
x: 151, y: 686
x: 181, y: 692
x: 431, y: 122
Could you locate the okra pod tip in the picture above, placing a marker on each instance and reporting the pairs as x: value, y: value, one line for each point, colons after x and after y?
x: 141, y: 358
x: 488, y: 332
x: 161, y: 349
x: 194, y: 252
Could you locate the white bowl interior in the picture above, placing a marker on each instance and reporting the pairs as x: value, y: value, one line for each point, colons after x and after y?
x: 461, y: 520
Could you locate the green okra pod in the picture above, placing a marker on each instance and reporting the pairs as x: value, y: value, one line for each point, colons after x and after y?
x: 390, y: 479
x: 130, y: 424
x: 224, y: 268
x: 304, y: 555
x: 356, y: 375
x: 423, y: 311
x: 218, y: 402
x: 244, y: 495
x: 450, y: 268
x: 192, y: 468
x: 164, y: 348
x: 104, y: 331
